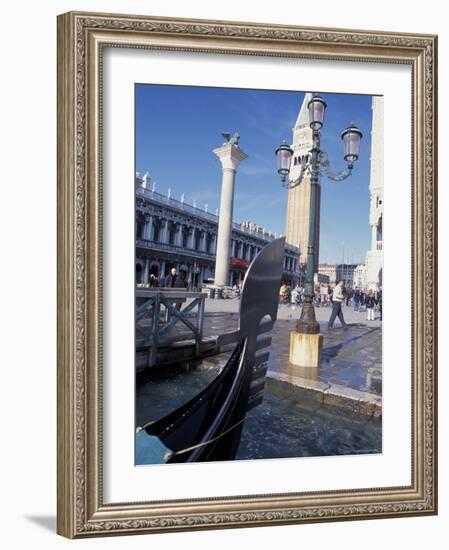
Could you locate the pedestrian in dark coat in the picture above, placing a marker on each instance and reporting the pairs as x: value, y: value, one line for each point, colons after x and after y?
x: 154, y: 281
x: 356, y: 299
x: 337, y: 299
x: 379, y: 302
x: 181, y: 281
x: 169, y: 281
x: 362, y: 298
x: 173, y: 280
x: 370, y: 302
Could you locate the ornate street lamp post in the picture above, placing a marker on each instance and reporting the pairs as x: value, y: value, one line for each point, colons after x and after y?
x: 351, y: 137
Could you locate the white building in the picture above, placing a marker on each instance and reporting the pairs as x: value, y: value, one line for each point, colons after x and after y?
x: 330, y: 271
x: 374, y: 256
x: 360, y: 277
x: 338, y: 272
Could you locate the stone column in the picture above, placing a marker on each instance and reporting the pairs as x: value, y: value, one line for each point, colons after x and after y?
x: 164, y: 232
x: 146, y: 271
x: 230, y: 157
x: 191, y: 239
x: 203, y: 241
x: 178, y: 240
x: 148, y: 227
x: 248, y: 252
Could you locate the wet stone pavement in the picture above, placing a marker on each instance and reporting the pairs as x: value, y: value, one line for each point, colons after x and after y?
x: 351, y: 366
x: 351, y: 369
x: 333, y: 410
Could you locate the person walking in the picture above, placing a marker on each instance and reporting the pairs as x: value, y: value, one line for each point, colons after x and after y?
x: 362, y: 300
x: 294, y: 298
x: 348, y: 297
x: 370, y: 303
x: 154, y: 281
x: 379, y: 302
x: 329, y: 294
x: 175, y: 280
x: 182, y: 281
x: 171, y: 279
x: 283, y: 294
x: 337, y: 300
x: 356, y: 299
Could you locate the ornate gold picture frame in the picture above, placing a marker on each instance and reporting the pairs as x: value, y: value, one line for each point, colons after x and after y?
x: 82, y: 41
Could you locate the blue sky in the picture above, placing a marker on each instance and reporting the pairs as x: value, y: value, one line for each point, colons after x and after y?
x: 178, y: 126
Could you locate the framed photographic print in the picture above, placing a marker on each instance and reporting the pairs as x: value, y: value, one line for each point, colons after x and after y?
x: 246, y: 274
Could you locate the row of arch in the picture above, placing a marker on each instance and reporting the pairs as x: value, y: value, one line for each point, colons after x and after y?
x: 301, y: 159
x: 159, y: 230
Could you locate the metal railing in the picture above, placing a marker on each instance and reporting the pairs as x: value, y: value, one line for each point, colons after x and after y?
x: 156, y: 325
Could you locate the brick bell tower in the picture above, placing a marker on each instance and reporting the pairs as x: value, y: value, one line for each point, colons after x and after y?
x: 298, y: 202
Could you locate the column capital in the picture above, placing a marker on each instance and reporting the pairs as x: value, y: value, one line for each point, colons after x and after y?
x: 230, y: 156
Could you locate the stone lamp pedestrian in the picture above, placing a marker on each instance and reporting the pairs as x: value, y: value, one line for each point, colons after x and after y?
x: 306, y: 342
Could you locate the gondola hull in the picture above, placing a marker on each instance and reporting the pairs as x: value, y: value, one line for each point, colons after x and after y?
x: 209, y: 426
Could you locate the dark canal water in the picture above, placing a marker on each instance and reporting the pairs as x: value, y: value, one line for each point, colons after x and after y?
x: 289, y: 422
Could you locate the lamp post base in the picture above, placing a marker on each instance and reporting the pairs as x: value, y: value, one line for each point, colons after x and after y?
x: 305, y: 349
x: 307, y: 323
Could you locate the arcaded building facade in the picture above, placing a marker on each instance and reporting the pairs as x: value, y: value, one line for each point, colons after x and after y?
x: 172, y: 233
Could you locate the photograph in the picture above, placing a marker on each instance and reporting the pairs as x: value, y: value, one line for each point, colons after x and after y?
x: 226, y: 356
x: 258, y: 273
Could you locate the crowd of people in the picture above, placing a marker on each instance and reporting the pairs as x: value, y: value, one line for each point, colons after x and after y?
x: 325, y: 296
x: 172, y: 280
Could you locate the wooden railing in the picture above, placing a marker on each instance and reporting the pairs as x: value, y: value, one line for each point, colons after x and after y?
x: 158, y: 311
